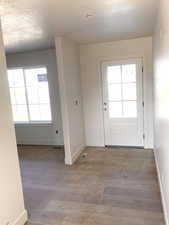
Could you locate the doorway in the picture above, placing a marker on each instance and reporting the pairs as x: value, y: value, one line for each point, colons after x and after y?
x: 123, y: 103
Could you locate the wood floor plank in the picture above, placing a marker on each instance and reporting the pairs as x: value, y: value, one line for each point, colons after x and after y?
x: 113, y: 186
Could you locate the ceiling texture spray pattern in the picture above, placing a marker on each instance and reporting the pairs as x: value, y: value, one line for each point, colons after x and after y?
x: 32, y: 24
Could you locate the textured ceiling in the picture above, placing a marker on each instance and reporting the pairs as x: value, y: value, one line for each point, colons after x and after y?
x: 32, y: 24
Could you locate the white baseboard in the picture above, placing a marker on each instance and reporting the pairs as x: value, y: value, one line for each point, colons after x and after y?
x: 75, y: 155
x: 166, y: 216
x: 22, y: 219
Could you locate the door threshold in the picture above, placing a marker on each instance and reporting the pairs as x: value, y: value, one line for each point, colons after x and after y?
x: 121, y: 146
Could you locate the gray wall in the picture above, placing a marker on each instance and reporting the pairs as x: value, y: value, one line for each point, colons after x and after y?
x: 40, y: 134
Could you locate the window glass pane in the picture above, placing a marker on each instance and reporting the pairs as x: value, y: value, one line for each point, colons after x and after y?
x: 34, y: 112
x: 130, y: 109
x: 129, y: 91
x: 129, y: 73
x: 43, y: 92
x: 15, y: 78
x: 115, y: 109
x: 114, y: 92
x: 11, y: 78
x: 12, y: 95
x: 34, y: 89
x: 45, y: 112
x: 15, y: 114
x: 31, y: 78
x: 35, y: 76
x: 32, y: 94
x: 20, y: 96
x: 22, y: 113
x: 41, y: 70
x: 114, y: 74
x: 19, y: 79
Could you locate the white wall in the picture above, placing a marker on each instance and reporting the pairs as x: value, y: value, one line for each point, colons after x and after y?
x: 70, y: 91
x: 91, y: 57
x: 38, y: 134
x: 161, y: 88
x: 11, y: 197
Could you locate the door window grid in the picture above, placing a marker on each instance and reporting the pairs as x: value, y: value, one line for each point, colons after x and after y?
x: 122, y: 81
x: 43, y: 110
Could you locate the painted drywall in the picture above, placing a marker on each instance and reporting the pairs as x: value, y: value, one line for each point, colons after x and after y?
x: 71, y: 102
x: 40, y: 134
x: 161, y: 94
x: 11, y: 197
x: 91, y: 57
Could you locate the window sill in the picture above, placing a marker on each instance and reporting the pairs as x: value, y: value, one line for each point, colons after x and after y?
x: 35, y: 124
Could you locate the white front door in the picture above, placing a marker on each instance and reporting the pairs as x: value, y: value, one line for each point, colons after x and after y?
x: 123, y: 102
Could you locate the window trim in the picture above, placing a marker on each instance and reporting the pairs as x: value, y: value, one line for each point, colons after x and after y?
x: 34, y: 122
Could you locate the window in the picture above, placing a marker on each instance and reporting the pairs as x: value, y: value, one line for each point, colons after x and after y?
x: 122, y: 94
x: 29, y: 93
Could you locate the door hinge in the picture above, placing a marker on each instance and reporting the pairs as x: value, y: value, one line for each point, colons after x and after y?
x: 143, y: 103
x: 143, y: 136
x: 142, y: 69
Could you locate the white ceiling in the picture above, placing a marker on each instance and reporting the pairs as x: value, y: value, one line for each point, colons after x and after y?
x: 32, y: 24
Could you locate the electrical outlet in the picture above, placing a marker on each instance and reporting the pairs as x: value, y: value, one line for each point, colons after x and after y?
x: 76, y: 102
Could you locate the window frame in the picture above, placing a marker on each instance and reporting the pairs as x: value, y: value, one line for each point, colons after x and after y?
x: 30, y: 122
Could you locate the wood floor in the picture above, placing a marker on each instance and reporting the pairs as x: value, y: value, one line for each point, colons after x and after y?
x: 107, y: 187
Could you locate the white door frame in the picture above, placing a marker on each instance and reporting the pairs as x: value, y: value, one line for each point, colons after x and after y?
x: 116, y: 61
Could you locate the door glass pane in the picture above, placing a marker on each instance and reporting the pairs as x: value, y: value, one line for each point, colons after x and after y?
x: 129, y: 73
x: 130, y: 109
x: 129, y: 91
x: 20, y: 96
x: 115, y: 109
x: 114, y: 92
x: 114, y: 74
